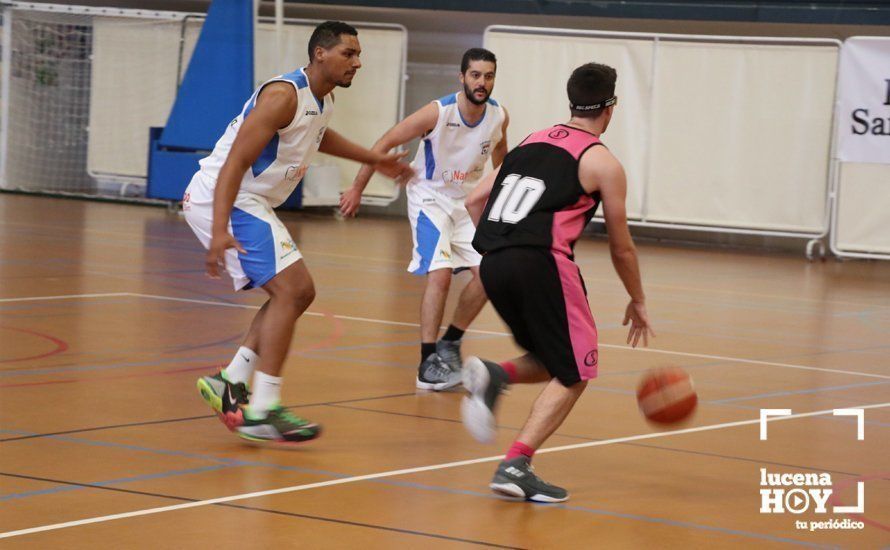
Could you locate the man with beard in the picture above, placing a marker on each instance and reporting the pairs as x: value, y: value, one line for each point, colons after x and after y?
x: 460, y: 132
x: 254, y: 167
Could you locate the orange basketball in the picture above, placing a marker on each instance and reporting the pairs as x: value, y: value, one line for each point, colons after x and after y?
x: 666, y: 395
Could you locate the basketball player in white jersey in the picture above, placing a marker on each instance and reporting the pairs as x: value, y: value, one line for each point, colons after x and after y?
x: 460, y: 132
x: 254, y: 167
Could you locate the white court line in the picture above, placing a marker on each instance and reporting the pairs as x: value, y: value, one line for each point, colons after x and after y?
x: 496, y: 333
x: 406, y: 471
x: 476, y: 331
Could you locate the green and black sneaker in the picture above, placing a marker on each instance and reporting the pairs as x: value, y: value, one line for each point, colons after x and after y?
x: 225, y: 398
x: 279, y: 426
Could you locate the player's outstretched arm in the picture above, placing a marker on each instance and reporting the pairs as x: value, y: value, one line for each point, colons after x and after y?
x: 414, y: 126
x: 600, y: 171
x: 275, y: 108
x: 500, y: 150
x: 389, y: 164
x: 477, y: 198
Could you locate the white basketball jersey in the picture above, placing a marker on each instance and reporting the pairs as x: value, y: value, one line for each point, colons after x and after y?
x: 285, y: 159
x: 454, y: 152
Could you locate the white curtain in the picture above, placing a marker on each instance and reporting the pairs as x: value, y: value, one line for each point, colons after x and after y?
x: 726, y: 135
x: 531, y: 84
x: 132, y: 88
x: 742, y: 135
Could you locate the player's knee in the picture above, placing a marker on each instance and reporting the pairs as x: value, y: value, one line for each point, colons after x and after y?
x: 574, y: 386
x: 299, y: 291
x: 303, y: 293
x: 439, y: 279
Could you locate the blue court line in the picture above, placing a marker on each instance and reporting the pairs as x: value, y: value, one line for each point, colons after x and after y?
x: 815, y: 309
x: 602, y: 512
x: 737, y: 335
x: 228, y: 463
x: 193, y: 347
x: 403, y: 343
x: 159, y: 475
x: 798, y: 392
x: 81, y: 368
x: 184, y: 454
x: 729, y: 362
x: 57, y: 236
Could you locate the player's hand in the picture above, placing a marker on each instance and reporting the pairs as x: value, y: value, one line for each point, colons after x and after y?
x: 350, y: 201
x: 392, y: 166
x: 639, y: 324
x: 216, y: 254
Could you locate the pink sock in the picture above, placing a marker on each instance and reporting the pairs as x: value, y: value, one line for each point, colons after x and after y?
x: 519, y: 449
x: 510, y: 369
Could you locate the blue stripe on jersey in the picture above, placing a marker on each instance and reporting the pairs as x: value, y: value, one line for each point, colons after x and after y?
x: 467, y: 124
x: 450, y: 99
x: 251, y: 105
x: 427, y: 241
x: 267, y: 157
x: 297, y: 77
x: 256, y: 237
x: 428, y: 157
x: 493, y: 102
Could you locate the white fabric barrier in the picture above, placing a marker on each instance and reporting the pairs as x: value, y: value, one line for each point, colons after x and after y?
x: 742, y: 135
x: 863, y: 210
x: 134, y: 85
x: 861, y: 216
x: 531, y: 84
x: 717, y: 133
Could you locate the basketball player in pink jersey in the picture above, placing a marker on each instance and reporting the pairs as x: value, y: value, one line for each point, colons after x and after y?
x: 529, y: 214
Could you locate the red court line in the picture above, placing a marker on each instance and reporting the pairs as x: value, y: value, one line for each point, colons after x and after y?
x: 61, y: 345
x: 836, y: 501
x: 331, y: 340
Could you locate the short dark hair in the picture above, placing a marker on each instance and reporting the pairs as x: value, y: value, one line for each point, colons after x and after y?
x: 327, y: 35
x: 476, y: 54
x: 590, y: 84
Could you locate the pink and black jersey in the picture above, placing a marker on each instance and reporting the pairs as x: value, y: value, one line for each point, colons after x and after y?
x: 537, y: 199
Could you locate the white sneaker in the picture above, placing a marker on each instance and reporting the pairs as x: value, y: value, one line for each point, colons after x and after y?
x: 484, y: 382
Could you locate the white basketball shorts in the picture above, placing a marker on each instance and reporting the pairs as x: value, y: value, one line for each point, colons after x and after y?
x: 270, y: 248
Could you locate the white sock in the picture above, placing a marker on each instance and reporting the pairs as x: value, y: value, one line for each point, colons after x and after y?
x: 265, y: 394
x: 242, y: 365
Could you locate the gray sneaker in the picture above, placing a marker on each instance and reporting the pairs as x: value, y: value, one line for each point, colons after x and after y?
x: 434, y: 374
x: 449, y: 353
x: 484, y: 381
x: 517, y: 478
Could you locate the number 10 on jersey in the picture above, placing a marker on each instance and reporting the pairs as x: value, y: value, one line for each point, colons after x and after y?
x: 518, y: 196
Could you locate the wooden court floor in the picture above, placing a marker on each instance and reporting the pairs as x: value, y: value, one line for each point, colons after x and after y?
x: 106, y: 320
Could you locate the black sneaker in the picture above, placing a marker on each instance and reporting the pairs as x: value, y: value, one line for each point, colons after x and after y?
x: 225, y: 398
x: 517, y: 478
x: 449, y: 352
x: 484, y: 381
x: 434, y: 374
